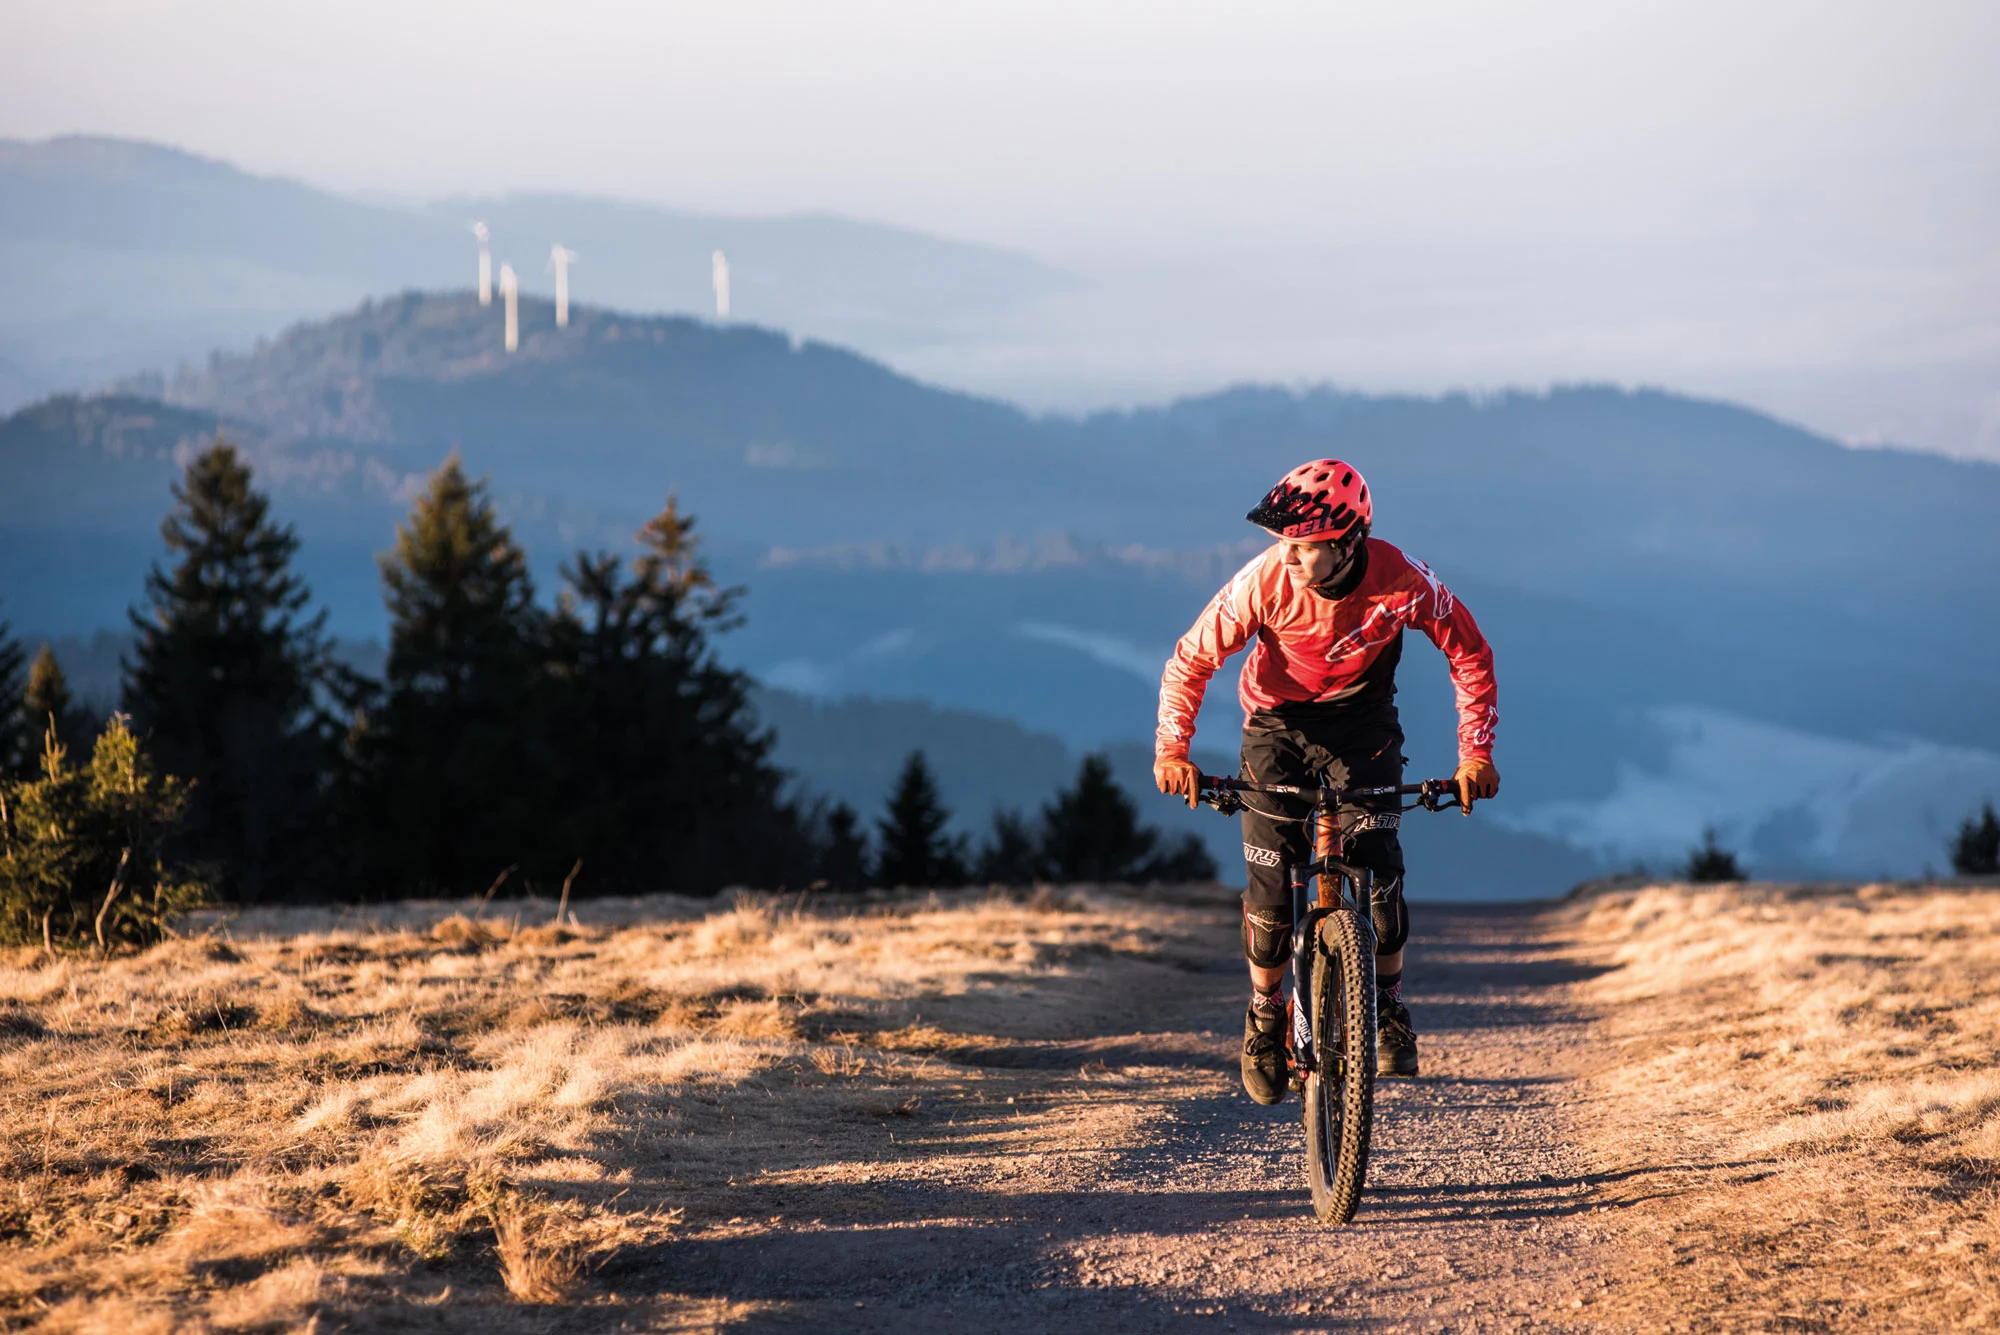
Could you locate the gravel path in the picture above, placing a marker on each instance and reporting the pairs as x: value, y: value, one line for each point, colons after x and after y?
x: 1122, y: 1181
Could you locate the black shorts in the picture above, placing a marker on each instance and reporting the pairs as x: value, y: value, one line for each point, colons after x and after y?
x: 1338, y: 745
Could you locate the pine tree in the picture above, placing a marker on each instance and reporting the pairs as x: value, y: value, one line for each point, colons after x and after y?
x: 1976, y: 849
x: 1091, y: 832
x: 84, y: 851
x: 843, y: 857
x: 1711, y: 862
x: 668, y: 783
x: 1181, y: 862
x: 1012, y: 853
x: 915, y: 851
x: 461, y: 604
x: 448, y: 781
x: 47, y: 701
x: 16, y: 725
x: 223, y: 679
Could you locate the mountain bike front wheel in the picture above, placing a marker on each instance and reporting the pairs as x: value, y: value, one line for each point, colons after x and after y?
x: 1340, y: 1091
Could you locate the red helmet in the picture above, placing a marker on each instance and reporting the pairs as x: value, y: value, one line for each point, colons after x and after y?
x: 1316, y: 502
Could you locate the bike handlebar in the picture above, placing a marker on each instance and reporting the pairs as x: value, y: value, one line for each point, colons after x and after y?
x: 1433, y: 794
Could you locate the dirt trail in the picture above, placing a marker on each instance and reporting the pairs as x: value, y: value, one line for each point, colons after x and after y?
x: 1657, y: 1108
x: 1120, y: 1180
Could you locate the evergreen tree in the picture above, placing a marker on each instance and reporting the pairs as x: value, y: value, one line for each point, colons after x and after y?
x: 1976, y: 849
x: 222, y: 681
x: 915, y: 851
x: 1711, y: 862
x: 1012, y: 852
x: 1182, y: 860
x: 84, y: 852
x: 47, y: 702
x: 16, y: 724
x: 668, y: 783
x: 448, y: 782
x: 843, y: 857
x: 1091, y: 832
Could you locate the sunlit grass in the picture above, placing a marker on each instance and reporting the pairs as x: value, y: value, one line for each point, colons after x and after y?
x: 1809, y: 1086
x: 423, y: 1107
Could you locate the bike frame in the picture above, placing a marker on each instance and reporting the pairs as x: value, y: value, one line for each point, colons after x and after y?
x: 1339, y: 884
x: 1322, y: 886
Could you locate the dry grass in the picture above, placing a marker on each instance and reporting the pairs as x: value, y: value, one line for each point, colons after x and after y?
x: 304, y: 1116
x: 540, y: 1259
x: 412, y: 1117
x: 1816, y: 1081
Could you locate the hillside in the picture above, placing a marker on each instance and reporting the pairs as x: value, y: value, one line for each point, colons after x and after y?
x: 1662, y: 1108
x: 118, y: 257
x: 1677, y: 589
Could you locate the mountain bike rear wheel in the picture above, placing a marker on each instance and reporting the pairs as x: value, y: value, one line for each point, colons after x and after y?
x: 1340, y: 1091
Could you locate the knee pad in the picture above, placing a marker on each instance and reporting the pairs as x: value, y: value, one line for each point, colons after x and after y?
x: 1267, y: 935
x: 1392, y: 916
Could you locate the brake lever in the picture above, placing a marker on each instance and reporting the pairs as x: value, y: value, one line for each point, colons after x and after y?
x: 1222, y: 800
x: 1432, y: 798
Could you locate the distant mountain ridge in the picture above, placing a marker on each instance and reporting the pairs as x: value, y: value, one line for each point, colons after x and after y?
x: 118, y: 257
x: 1629, y: 553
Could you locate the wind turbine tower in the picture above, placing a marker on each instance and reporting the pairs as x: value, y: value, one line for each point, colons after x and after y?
x: 485, y: 264
x: 560, y: 259
x: 720, y: 264
x: 510, y: 292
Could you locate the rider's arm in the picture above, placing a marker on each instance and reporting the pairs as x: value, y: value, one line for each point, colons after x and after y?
x: 1228, y: 622
x: 1452, y: 629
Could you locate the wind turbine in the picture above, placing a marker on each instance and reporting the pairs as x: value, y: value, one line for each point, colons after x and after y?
x: 485, y: 264
x: 510, y: 292
x: 560, y: 259
x: 720, y: 264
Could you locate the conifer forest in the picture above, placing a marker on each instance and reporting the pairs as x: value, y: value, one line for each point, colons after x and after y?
x: 591, y: 741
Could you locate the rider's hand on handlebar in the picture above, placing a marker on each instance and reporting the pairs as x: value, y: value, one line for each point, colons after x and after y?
x: 1476, y: 780
x: 1178, y: 776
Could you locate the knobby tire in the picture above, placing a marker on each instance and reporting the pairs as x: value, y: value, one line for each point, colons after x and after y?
x: 1340, y: 1094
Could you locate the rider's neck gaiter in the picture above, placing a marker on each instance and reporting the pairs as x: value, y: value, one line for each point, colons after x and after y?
x: 1346, y: 579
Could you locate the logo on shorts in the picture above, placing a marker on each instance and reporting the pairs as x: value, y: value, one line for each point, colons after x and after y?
x: 1381, y: 820
x: 1262, y: 857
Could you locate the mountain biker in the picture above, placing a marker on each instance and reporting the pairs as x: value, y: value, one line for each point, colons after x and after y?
x: 1323, y: 611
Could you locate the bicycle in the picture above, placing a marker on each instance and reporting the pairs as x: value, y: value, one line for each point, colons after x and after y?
x: 1330, y: 1040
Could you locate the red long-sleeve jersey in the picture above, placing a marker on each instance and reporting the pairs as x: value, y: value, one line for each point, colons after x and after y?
x: 1308, y: 647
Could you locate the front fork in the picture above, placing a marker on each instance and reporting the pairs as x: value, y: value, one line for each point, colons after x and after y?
x: 1340, y: 886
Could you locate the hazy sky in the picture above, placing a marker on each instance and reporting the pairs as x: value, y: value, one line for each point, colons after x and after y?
x: 1804, y: 193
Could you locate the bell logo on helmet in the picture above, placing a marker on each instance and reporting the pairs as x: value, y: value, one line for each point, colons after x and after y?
x: 1316, y: 502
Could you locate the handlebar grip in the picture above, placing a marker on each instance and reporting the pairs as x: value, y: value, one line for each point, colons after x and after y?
x: 1440, y: 794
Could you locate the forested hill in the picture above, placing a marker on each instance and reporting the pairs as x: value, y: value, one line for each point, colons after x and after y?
x: 1586, y: 492
x: 120, y: 255
x: 1628, y: 552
